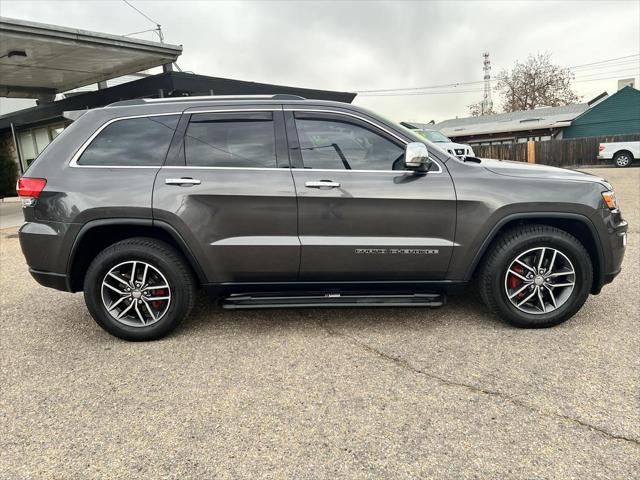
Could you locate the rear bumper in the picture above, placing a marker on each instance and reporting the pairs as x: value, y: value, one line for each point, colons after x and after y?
x: 45, y: 249
x: 59, y: 281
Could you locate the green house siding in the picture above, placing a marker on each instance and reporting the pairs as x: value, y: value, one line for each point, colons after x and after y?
x: 617, y: 115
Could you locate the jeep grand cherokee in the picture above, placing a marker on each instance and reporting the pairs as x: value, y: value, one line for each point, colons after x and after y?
x: 275, y: 201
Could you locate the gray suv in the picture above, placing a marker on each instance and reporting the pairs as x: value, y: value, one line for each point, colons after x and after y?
x: 278, y: 201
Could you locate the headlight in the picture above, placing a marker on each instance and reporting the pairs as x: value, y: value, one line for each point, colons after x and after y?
x: 610, y: 199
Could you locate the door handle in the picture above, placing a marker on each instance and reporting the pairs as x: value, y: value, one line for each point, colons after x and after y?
x: 322, y: 184
x: 182, y: 181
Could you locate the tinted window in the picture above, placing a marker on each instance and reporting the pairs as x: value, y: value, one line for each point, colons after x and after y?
x: 132, y: 142
x: 231, y: 140
x: 333, y: 144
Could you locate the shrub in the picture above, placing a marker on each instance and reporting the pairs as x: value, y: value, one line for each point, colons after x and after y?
x: 8, y: 175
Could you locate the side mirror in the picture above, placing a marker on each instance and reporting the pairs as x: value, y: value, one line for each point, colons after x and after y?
x: 416, y: 156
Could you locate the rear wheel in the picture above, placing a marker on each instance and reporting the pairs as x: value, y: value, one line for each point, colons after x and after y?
x: 622, y: 159
x: 536, y: 276
x: 139, y: 289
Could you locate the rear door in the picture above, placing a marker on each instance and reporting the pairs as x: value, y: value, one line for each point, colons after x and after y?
x: 228, y: 190
x: 361, y: 216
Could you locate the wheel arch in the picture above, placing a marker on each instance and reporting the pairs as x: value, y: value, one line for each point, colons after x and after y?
x: 575, y: 224
x: 96, y: 235
x: 623, y: 150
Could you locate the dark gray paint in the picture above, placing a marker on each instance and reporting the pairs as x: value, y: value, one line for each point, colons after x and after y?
x: 371, y: 210
x: 241, y: 223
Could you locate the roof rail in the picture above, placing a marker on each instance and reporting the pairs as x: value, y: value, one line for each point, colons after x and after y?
x: 211, y: 98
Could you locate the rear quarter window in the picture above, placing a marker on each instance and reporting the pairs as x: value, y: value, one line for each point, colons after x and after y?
x: 140, y: 141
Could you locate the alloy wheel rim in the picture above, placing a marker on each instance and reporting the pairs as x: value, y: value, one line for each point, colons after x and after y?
x: 623, y: 160
x: 135, y: 293
x: 540, y: 280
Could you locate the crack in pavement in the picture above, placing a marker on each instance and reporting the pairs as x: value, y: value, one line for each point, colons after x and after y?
x: 493, y: 393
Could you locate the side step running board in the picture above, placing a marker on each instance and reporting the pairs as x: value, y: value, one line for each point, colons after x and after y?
x: 316, y: 300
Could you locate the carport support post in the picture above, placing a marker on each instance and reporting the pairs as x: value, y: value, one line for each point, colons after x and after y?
x: 531, y: 151
x: 17, y: 147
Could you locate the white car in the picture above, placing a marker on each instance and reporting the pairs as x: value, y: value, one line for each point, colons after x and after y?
x: 622, y: 153
x: 458, y: 149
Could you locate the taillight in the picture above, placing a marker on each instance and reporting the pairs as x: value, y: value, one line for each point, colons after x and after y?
x: 600, y: 147
x: 30, y: 187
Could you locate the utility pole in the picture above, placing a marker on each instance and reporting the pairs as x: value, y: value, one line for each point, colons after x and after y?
x: 486, y: 105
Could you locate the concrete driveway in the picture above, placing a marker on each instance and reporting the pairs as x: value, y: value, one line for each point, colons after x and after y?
x: 389, y: 393
x: 10, y: 213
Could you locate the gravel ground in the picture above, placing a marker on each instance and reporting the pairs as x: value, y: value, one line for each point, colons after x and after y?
x: 358, y: 393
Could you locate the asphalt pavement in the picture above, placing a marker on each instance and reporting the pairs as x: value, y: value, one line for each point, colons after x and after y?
x: 352, y: 393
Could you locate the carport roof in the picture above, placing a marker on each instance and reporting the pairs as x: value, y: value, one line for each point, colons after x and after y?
x: 60, y: 59
x: 170, y: 84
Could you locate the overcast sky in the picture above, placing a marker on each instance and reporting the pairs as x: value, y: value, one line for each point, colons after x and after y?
x: 355, y: 46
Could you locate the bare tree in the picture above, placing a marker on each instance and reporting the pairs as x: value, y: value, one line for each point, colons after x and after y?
x: 475, y: 110
x: 535, y: 83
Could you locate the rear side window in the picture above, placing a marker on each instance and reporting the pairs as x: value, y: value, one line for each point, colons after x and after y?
x: 240, y: 140
x: 132, y: 142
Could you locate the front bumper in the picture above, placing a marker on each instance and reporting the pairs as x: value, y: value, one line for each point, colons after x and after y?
x: 616, y: 239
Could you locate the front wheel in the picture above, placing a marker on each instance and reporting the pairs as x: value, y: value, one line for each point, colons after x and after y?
x: 139, y: 289
x: 536, y: 276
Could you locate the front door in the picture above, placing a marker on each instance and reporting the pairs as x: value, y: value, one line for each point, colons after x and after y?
x: 227, y: 188
x: 361, y: 215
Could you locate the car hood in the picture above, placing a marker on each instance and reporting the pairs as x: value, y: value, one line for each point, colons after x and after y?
x: 451, y: 145
x: 529, y: 170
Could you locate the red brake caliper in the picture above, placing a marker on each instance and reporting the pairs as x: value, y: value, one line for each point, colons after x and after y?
x: 514, y: 282
x: 159, y: 292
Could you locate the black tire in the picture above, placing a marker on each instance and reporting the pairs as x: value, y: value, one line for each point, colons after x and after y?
x: 514, y: 242
x: 623, y: 159
x: 162, y: 257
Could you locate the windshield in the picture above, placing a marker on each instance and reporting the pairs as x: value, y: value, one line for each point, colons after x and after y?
x: 433, y: 136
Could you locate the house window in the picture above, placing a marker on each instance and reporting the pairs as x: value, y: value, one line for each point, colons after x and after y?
x: 34, y: 140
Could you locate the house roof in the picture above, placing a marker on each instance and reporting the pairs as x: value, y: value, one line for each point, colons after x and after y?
x: 539, y: 118
x: 38, y: 60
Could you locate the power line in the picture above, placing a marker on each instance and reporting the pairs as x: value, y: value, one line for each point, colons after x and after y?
x: 596, y: 79
x: 454, y: 92
x: 142, y: 31
x: 142, y: 13
x: 629, y: 70
x: 157, y: 30
x: 604, y: 61
x: 459, y: 84
x: 391, y: 94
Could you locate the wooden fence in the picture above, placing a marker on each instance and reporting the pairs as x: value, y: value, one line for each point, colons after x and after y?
x: 559, y: 153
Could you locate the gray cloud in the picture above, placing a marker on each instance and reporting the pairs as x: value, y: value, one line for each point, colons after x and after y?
x: 366, y: 45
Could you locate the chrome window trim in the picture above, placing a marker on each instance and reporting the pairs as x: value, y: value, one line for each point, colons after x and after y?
x: 284, y: 169
x: 74, y: 160
x: 192, y: 110
x: 378, y: 126
x: 197, y: 167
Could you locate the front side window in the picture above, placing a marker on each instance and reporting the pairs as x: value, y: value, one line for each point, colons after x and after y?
x: 333, y: 144
x: 231, y: 140
x: 132, y: 142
